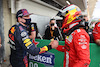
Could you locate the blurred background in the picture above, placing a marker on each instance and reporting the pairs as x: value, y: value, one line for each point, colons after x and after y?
x: 43, y: 11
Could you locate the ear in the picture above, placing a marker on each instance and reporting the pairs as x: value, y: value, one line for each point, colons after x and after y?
x: 19, y: 19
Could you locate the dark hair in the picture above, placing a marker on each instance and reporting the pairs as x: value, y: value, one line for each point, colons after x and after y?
x: 51, y: 19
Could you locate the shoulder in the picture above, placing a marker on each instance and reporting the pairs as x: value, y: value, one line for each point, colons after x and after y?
x: 97, y: 27
x: 97, y: 24
x: 12, y: 29
x: 48, y: 27
x: 81, y: 32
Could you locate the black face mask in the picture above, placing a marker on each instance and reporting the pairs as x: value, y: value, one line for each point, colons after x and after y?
x: 28, y: 21
x: 52, y: 24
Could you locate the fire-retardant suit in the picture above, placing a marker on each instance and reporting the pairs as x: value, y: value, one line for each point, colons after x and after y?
x: 76, y: 48
x: 30, y: 29
x: 20, y: 43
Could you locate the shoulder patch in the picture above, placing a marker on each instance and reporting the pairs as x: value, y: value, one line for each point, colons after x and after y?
x: 70, y: 38
x: 23, y: 34
x: 21, y: 28
x: 12, y: 30
x: 78, y: 30
x: 32, y: 28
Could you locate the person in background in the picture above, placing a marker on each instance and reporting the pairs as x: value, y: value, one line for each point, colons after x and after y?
x: 76, y: 48
x: 32, y: 33
x: 86, y: 23
x: 96, y: 33
x: 90, y: 31
x: 51, y: 32
x: 86, y: 18
x: 20, y: 42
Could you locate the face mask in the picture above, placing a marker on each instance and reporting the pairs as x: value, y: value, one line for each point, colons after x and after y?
x: 28, y: 21
x: 52, y: 24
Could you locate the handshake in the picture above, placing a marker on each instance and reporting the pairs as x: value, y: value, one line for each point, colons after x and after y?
x: 54, y: 44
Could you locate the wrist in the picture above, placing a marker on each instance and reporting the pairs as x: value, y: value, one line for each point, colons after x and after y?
x: 49, y: 47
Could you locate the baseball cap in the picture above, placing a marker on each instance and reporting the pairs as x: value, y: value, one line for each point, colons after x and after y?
x: 22, y: 12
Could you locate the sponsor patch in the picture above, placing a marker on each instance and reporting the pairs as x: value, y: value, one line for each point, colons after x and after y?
x: 23, y: 34
x: 78, y: 30
x: 11, y: 41
x: 82, y: 36
x: 32, y: 28
x: 70, y: 38
x: 27, y: 44
x: 26, y: 40
x: 21, y: 28
x: 11, y: 36
x: 42, y: 50
x: 12, y: 30
x: 83, y: 46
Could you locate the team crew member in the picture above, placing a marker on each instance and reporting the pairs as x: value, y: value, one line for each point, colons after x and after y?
x: 20, y: 42
x: 51, y: 32
x: 76, y: 46
x: 32, y: 33
x: 96, y: 33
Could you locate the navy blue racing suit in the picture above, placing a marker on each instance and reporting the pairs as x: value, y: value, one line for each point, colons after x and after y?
x: 20, y: 44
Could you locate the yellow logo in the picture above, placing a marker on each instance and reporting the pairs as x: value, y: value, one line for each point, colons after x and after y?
x: 13, y: 30
x: 45, y: 48
x: 27, y: 44
x: 26, y: 40
x: 71, y: 18
x: 32, y: 28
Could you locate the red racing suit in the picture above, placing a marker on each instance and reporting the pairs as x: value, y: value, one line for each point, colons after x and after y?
x: 96, y: 31
x: 76, y: 49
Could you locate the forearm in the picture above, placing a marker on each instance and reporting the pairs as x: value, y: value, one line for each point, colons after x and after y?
x: 35, y: 51
x: 33, y: 35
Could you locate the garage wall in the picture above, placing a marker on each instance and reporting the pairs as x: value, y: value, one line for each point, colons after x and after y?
x: 9, y: 20
x: 41, y: 21
x: 1, y: 31
x: 41, y: 16
x: 36, y: 8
